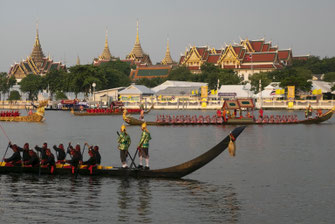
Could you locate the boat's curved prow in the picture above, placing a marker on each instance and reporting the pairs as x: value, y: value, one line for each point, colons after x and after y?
x: 188, y: 167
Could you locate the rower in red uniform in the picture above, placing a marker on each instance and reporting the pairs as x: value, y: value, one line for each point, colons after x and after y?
x: 60, y: 152
x: 34, y: 161
x: 42, y: 150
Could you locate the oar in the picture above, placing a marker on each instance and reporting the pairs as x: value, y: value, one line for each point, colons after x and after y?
x: 5, y: 153
x: 77, y: 171
x: 39, y: 168
x: 133, y: 159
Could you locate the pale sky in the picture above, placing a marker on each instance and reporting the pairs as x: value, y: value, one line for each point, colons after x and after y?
x: 69, y: 28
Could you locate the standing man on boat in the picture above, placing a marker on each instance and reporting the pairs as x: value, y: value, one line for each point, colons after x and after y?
x: 143, y: 147
x: 124, y: 143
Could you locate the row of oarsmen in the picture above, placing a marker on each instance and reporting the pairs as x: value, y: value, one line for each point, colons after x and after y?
x: 31, y: 159
x: 9, y: 113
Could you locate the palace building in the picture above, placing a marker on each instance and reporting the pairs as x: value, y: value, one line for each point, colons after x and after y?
x: 246, y: 58
x: 137, y: 56
x: 106, y: 55
x: 36, y: 63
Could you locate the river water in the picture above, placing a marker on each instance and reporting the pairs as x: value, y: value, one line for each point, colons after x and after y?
x: 281, y: 174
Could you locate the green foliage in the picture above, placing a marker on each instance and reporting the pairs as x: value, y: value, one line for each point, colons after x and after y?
x: 54, y: 81
x: 14, y: 95
x: 329, y: 77
x: 6, y: 82
x: 150, y: 82
x: 254, y: 81
x: 60, y: 95
x: 180, y: 74
x: 31, y: 84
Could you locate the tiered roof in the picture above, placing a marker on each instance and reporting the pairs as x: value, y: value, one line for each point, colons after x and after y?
x: 167, y: 60
x: 36, y: 63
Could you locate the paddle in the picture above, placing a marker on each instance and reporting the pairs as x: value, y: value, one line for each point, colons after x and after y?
x: 8, y: 142
x: 131, y: 165
x: 77, y: 170
x: 5, y: 153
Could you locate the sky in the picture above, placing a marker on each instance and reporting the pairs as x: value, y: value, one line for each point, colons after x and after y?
x: 71, y: 28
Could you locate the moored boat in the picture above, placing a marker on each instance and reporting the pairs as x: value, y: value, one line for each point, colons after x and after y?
x: 177, y: 171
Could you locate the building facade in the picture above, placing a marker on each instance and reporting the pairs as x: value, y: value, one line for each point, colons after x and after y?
x: 246, y: 58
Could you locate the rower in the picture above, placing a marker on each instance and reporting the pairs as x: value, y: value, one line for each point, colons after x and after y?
x: 50, y: 160
x: 124, y: 143
x: 42, y: 150
x: 143, y: 146
x: 25, y: 152
x: 15, y: 159
x: 75, y: 158
x: 34, y: 161
x: 60, y: 152
x: 76, y: 151
x: 96, y: 152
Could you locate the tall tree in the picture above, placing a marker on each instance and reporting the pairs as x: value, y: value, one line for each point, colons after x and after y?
x: 254, y: 81
x: 6, y: 83
x: 31, y: 84
x: 54, y: 81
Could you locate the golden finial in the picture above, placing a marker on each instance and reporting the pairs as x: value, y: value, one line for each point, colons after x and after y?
x: 78, y: 60
x: 137, y: 36
x: 106, y: 39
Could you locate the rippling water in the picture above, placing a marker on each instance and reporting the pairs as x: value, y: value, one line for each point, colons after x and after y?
x: 280, y: 174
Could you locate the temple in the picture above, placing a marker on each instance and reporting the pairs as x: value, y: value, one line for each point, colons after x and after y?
x: 167, y: 60
x: 137, y: 56
x: 36, y: 63
x: 106, y: 55
x: 246, y: 58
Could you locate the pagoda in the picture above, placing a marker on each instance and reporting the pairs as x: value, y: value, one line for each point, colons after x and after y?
x: 167, y: 60
x: 106, y: 55
x: 137, y: 55
x: 36, y: 63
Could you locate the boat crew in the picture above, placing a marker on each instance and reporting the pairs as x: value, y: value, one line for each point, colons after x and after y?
x: 261, y: 112
x: 75, y: 159
x: 34, y: 161
x: 25, y: 152
x: 60, y: 152
x: 15, y: 159
x: 124, y: 143
x: 42, y: 150
x: 92, y: 160
x: 76, y: 151
x: 50, y: 158
x: 95, y: 151
x: 143, y: 146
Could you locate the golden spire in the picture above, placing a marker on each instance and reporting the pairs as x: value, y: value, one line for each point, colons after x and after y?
x: 37, y: 53
x: 167, y: 60
x: 137, y: 49
x: 78, y: 60
x: 106, y: 54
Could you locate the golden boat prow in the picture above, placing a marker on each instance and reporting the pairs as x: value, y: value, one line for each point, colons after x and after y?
x: 38, y: 116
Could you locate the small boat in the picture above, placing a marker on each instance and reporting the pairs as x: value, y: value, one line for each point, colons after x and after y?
x: 38, y: 116
x: 234, y: 121
x: 174, y: 172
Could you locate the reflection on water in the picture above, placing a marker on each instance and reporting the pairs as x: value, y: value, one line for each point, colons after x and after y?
x: 102, y: 200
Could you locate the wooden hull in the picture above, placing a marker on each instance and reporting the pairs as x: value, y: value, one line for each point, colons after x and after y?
x: 177, y: 171
x: 105, y: 114
x: 29, y: 118
x: 245, y: 121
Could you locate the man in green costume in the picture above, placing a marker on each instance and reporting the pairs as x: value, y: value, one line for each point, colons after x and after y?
x: 124, y: 143
x: 143, y: 146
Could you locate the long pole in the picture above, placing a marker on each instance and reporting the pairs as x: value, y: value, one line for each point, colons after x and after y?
x: 3, y: 130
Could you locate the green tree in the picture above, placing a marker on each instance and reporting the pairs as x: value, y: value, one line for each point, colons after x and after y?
x: 6, y: 83
x: 150, y: 82
x: 254, y: 81
x: 54, y: 81
x: 329, y: 77
x: 31, y: 84
x: 14, y: 95
x: 60, y: 95
x: 180, y: 74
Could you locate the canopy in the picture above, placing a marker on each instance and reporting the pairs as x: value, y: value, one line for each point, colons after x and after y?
x: 238, y: 104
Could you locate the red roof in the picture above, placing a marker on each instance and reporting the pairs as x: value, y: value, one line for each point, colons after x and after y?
x: 283, y: 54
x: 194, y: 67
x: 257, y: 44
x: 273, y: 48
x: 258, y: 66
x: 219, y: 51
x: 213, y: 58
x: 237, y: 50
x: 260, y: 57
x: 266, y: 47
x: 201, y: 50
x: 181, y: 60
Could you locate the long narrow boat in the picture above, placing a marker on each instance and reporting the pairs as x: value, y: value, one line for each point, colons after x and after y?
x: 234, y: 121
x: 177, y: 171
x: 38, y: 116
x: 109, y: 112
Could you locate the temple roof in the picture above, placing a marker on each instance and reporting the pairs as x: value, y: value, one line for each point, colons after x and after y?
x: 137, y: 49
x: 106, y: 54
x: 37, y: 53
x: 167, y: 59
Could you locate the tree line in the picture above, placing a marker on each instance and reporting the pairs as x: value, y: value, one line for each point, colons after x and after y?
x: 79, y: 78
